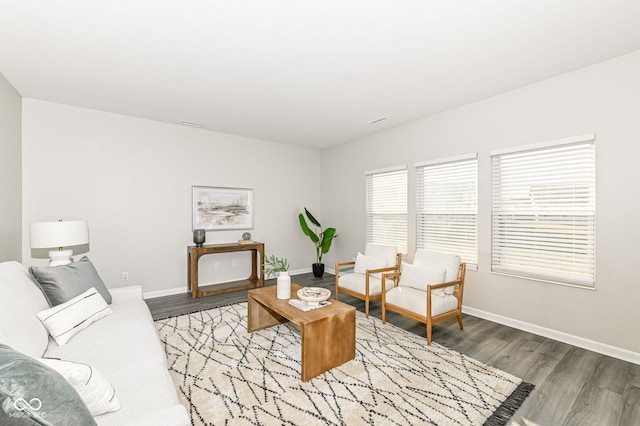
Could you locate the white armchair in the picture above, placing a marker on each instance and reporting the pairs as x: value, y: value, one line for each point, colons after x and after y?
x: 365, y: 282
x: 429, y: 290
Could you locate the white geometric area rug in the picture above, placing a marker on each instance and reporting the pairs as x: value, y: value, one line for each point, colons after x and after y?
x: 226, y: 376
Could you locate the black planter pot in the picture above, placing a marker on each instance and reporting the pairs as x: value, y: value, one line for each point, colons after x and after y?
x: 318, y: 270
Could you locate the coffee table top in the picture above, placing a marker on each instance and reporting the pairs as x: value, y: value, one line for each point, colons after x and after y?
x: 267, y: 296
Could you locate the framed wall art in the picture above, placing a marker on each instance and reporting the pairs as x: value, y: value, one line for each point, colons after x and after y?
x: 220, y: 209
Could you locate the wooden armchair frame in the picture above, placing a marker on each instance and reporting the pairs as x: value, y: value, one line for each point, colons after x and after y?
x: 366, y: 296
x: 427, y: 319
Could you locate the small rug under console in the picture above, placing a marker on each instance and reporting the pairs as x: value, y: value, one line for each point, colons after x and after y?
x: 225, y: 375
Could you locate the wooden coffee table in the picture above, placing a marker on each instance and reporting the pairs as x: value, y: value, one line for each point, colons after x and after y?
x: 328, y: 333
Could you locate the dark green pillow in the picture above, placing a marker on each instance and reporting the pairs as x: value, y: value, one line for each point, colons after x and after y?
x: 33, y: 394
x: 62, y: 283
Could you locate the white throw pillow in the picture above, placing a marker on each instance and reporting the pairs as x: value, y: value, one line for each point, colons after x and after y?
x: 67, y: 319
x: 363, y: 263
x: 95, y: 390
x: 419, y: 276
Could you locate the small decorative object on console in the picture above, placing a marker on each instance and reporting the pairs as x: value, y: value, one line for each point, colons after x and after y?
x: 246, y: 238
x: 313, y: 295
x: 199, y: 237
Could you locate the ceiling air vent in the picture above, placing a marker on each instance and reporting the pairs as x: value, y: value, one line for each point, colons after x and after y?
x: 379, y: 120
x: 191, y: 123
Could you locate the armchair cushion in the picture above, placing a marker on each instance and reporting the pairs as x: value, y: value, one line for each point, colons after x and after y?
x: 356, y: 282
x: 415, y: 300
x: 382, y: 251
x: 364, y: 262
x: 418, y: 276
x: 435, y: 259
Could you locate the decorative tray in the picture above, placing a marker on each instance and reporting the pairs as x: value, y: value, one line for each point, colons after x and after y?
x: 313, y: 295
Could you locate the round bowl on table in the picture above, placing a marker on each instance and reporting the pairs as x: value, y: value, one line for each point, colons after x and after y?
x: 313, y: 295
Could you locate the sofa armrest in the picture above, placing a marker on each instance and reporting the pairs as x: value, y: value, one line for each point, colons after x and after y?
x: 129, y: 291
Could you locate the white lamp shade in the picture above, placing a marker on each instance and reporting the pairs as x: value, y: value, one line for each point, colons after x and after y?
x: 58, y: 234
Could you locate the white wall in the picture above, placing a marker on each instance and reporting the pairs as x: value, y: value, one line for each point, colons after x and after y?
x: 604, y: 99
x: 10, y: 172
x: 132, y: 180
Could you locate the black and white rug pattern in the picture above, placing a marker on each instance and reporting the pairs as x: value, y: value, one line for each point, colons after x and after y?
x: 225, y: 375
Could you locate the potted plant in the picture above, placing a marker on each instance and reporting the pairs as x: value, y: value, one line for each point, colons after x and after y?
x: 321, y: 238
x: 275, y: 264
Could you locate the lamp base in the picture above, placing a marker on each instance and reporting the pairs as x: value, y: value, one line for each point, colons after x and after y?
x: 60, y: 257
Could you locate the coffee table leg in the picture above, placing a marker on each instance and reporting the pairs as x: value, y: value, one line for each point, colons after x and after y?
x: 328, y: 343
x: 259, y: 316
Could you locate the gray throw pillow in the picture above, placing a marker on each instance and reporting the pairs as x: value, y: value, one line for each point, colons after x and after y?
x: 33, y: 394
x: 62, y: 283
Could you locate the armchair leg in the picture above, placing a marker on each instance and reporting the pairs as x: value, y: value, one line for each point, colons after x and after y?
x: 428, y: 334
x: 366, y: 306
x: 460, y: 320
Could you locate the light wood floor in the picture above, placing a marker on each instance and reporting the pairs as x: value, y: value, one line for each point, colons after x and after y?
x: 573, y: 386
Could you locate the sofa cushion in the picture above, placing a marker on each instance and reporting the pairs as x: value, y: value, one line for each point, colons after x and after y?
x: 66, y: 320
x: 125, y: 347
x: 31, y: 392
x: 64, y: 282
x: 96, y: 391
x: 20, y: 301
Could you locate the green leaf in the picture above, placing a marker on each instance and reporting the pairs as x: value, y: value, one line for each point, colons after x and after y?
x: 306, y: 230
x: 327, y: 238
x: 312, y: 219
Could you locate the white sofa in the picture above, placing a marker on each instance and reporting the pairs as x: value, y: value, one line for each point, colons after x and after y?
x: 123, y: 346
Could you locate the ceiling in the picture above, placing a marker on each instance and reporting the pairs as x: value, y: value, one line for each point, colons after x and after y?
x: 300, y: 72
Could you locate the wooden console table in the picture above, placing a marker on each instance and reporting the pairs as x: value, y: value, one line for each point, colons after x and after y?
x: 256, y: 279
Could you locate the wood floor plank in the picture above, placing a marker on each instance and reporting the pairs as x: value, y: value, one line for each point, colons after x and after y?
x: 573, y: 386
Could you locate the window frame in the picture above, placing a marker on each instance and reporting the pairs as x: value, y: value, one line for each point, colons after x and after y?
x: 463, y: 222
x: 398, y: 234
x: 553, y: 240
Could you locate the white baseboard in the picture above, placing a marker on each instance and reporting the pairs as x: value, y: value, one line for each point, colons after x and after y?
x: 592, y: 345
x: 162, y: 293
x: 602, y: 348
x: 183, y: 289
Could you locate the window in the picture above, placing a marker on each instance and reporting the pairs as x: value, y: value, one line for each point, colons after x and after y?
x: 543, y: 224
x: 447, y: 206
x: 387, y: 207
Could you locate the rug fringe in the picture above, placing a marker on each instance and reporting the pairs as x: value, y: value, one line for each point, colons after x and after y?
x: 506, y: 410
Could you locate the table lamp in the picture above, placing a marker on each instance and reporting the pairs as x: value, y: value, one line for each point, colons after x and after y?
x: 60, y: 234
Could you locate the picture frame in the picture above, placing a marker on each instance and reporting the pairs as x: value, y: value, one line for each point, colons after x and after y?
x: 220, y: 209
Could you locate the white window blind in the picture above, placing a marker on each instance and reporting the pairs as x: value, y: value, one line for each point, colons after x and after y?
x: 543, y: 224
x: 387, y: 207
x: 447, y: 206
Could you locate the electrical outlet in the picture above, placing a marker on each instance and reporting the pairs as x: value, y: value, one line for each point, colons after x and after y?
x: 234, y: 263
x: 125, y: 276
x: 216, y: 265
